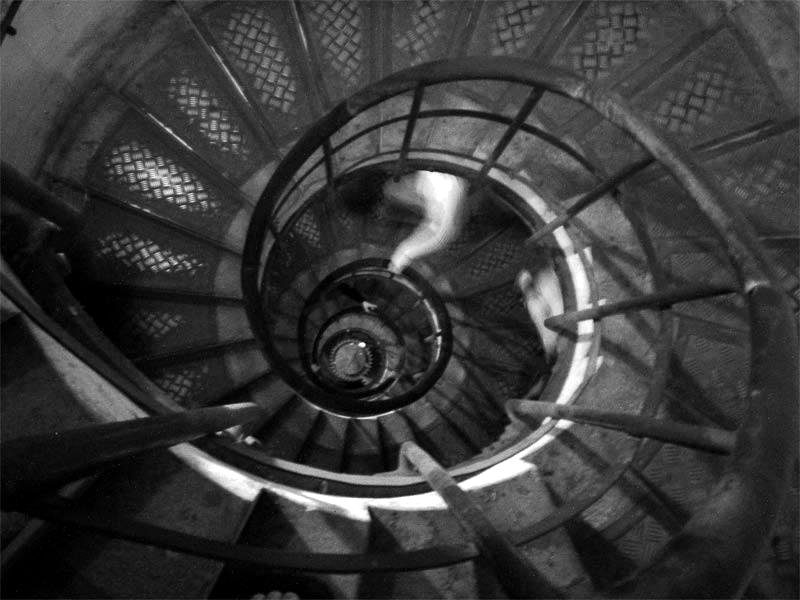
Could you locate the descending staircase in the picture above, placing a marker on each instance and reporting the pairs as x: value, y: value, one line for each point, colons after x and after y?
x: 226, y: 228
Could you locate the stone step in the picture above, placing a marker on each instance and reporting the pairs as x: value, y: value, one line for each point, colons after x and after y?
x: 154, y: 490
x: 278, y: 523
x: 513, y: 506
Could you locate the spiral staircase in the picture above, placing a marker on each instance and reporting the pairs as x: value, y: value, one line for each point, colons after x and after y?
x: 205, y: 235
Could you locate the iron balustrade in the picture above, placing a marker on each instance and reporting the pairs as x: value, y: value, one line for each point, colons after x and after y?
x: 753, y: 267
x: 716, y: 551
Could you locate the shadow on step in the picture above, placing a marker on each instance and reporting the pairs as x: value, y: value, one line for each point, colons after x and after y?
x: 600, y: 558
x: 267, y: 527
x: 392, y: 585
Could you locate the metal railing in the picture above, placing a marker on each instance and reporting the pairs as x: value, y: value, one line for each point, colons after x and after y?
x: 717, y: 549
x: 770, y: 314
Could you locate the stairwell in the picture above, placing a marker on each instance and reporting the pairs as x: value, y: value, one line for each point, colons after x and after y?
x: 212, y: 254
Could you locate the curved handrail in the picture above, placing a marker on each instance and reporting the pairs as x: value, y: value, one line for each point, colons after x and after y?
x: 768, y: 312
x: 715, y: 552
x: 38, y: 463
x: 698, y: 561
x: 515, y: 70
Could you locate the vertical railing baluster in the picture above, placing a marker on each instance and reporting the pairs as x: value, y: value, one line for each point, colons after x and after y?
x: 416, y: 102
x: 524, y: 112
x: 6, y: 28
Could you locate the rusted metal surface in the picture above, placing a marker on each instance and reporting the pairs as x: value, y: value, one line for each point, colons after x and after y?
x: 36, y: 463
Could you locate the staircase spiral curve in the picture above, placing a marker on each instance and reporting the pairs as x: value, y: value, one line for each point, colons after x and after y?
x: 226, y: 242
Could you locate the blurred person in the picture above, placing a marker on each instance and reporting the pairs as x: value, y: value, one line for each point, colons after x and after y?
x: 542, y: 295
x: 442, y: 199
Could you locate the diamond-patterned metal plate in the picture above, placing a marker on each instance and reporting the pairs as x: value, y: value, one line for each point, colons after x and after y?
x: 763, y: 181
x: 180, y: 87
x: 338, y: 31
x: 514, y: 22
x: 511, y: 27
x: 421, y: 30
x: 713, y: 91
x: 718, y: 372
x: 686, y: 476
x: 618, y: 30
x: 194, y: 383
x: 308, y: 229
x: 214, y: 122
x: 496, y: 256
x: 677, y: 218
x: 511, y: 367
x: 154, y: 177
x: 503, y: 348
x: 183, y: 384
x: 135, y: 167
x: 698, y: 261
x: 621, y: 42
x: 141, y: 253
x: 643, y: 541
x: 497, y: 304
x: 613, y: 37
x: 117, y: 247
x: 143, y: 327
x: 253, y: 36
